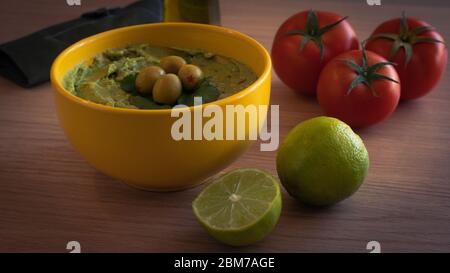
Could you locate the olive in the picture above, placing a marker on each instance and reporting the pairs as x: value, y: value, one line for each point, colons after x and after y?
x: 171, y: 64
x: 167, y: 89
x: 190, y: 76
x: 147, y: 78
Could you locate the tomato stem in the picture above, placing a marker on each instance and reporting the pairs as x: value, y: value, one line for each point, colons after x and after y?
x: 366, y: 73
x: 313, y: 32
x: 406, y: 38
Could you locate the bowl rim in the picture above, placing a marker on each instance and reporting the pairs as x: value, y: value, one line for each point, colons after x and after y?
x: 59, y: 88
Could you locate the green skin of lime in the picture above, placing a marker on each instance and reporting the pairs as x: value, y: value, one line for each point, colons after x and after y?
x: 251, y: 233
x: 322, y: 161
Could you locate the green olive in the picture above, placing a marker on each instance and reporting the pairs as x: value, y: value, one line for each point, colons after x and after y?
x: 147, y: 78
x: 190, y: 76
x: 167, y: 89
x: 171, y: 64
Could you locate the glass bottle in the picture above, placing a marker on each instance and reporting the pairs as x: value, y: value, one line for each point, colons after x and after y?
x: 196, y: 11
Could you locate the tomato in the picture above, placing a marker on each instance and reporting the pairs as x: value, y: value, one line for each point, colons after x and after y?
x: 358, y: 87
x: 417, y: 49
x: 305, y: 42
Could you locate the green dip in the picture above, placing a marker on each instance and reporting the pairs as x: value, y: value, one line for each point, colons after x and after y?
x: 109, y: 78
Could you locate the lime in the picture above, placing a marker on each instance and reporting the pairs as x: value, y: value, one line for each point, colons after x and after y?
x: 239, y: 208
x: 322, y: 161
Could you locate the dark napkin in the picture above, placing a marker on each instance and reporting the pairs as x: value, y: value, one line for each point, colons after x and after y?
x: 27, y: 60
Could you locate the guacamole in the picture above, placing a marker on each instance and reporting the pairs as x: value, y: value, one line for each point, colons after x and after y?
x: 109, y: 78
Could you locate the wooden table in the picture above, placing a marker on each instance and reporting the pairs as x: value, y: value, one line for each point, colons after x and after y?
x: 49, y: 195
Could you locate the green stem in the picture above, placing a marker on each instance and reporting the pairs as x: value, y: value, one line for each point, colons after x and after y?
x: 406, y: 39
x: 313, y: 32
x: 366, y: 73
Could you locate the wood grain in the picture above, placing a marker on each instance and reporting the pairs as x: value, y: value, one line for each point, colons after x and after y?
x: 49, y: 195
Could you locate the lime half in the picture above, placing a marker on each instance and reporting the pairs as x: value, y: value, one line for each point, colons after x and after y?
x: 239, y: 208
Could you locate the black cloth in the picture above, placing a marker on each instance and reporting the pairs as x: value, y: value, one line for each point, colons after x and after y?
x: 27, y: 60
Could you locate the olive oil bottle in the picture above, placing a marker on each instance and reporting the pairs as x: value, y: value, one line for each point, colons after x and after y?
x: 196, y: 11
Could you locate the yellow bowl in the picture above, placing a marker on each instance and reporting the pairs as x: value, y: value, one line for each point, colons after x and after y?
x: 136, y: 146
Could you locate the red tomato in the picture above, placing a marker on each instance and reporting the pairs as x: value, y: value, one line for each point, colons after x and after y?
x: 428, y: 57
x: 358, y: 93
x: 298, y: 67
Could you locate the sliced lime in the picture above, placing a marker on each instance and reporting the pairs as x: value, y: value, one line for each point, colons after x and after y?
x: 240, y: 207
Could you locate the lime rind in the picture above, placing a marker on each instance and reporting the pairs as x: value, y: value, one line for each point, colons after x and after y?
x: 322, y: 161
x: 250, y: 217
x: 218, y: 193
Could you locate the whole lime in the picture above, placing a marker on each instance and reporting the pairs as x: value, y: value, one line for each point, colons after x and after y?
x: 322, y: 161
